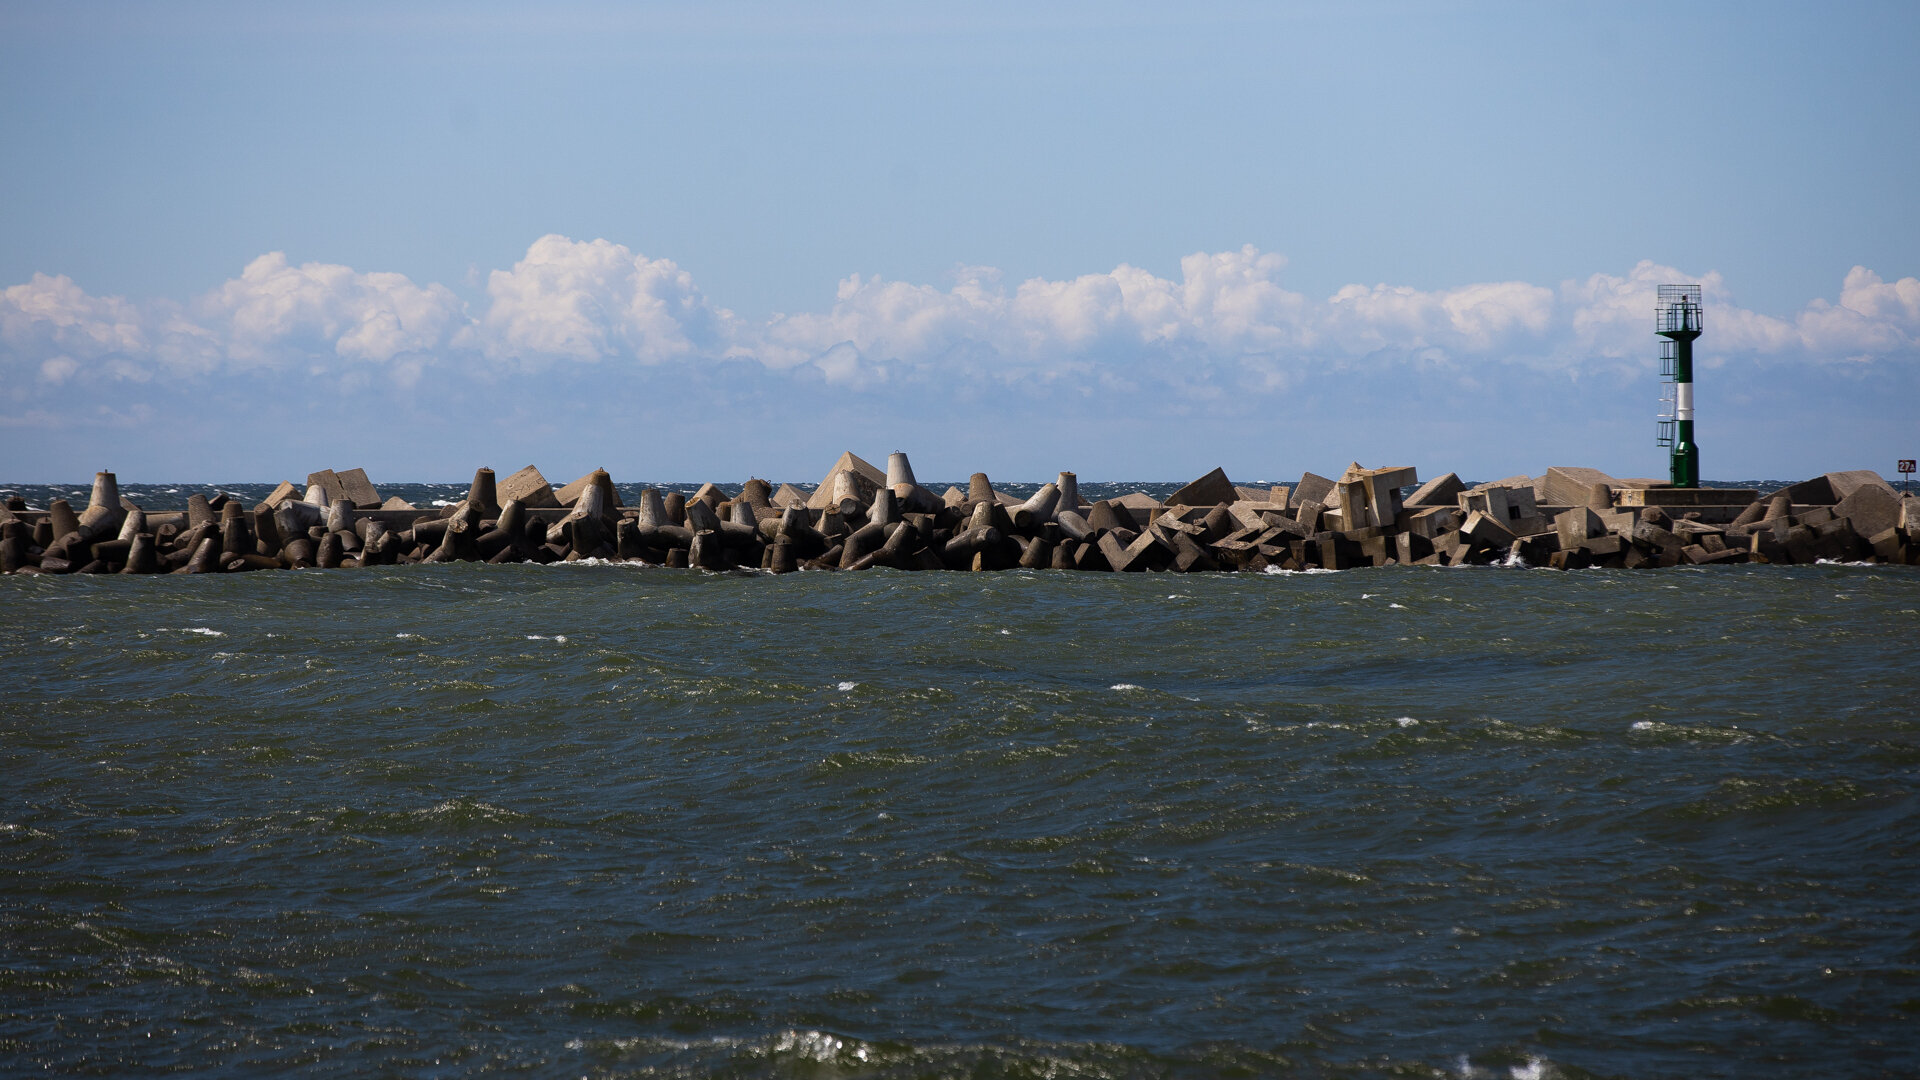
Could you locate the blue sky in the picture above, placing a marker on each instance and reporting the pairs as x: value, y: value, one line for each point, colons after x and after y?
x: 703, y: 241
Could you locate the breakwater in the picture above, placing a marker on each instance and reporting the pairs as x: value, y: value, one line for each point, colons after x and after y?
x: 859, y: 517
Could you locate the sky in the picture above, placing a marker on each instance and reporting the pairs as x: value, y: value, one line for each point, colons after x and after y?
x: 707, y: 241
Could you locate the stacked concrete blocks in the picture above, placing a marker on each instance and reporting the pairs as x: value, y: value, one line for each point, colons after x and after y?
x: 859, y: 518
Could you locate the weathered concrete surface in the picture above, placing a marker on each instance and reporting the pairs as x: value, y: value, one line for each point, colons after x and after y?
x: 1213, y: 489
x: 529, y: 488
x: 1570, y: 485
x: 1671, y: 496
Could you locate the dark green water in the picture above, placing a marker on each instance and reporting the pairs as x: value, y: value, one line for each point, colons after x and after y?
x: 569, y: 821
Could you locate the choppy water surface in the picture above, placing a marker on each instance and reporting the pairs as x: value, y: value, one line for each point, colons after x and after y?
x: 598, y: 820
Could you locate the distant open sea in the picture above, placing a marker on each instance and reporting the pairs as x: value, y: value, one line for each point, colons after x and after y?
x: 603, y: 820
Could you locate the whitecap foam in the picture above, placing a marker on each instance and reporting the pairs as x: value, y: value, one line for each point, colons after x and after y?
x: 204, y: 631
x: 1406, y: 721
x: 847, y: 685
x: 558, y: 638
x: 817, y: 1046
x: 1643, y: 725
x: 1534, y: 1069
x: 1126, y: 686
x: 1402, y: 607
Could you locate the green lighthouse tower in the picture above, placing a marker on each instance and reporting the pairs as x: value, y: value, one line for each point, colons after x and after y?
x: 1677, y: 321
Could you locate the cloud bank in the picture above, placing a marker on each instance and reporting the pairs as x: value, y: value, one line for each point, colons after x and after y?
x: 1227, y: 324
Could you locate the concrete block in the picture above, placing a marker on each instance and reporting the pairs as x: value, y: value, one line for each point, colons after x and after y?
x: 1535, y: 550
x: 1910, y: 514
x: 841, y: 486
x: 1698, y: 555
x: 1073, y: 524
x: 1576, y: 559
x: 701, y: 516
x: 1887, y: 544
x: 199, y: 512
x: 1483, y: 529
x: 1571, y: 485
x: 1814, y: 492
x: 1248, y: 512
x: 1147, y: 552
x: 1430, y: 521
x: 283, y: 493
x: 570, y: 495
x: 1091, y: 557
x: 899, y: 470
x: 1575, y: 526
x: 1519, y: 480
x: 359, y: 489
x: 1844, y: 484
x: 1383, y: 488
x: 1189, y: 556
x: 859, y: 544
x: 1617, y: 521
x: 1836, y: 540
x: 1038, y: 510
x: 1216, y: 525
x: 1410, y: 548
x: 1069, y: 484
x: 1872, y: 508
x: 1213, y: 489
x: 853, y: 463
x: 1672, y: 497
x: 1392, y: 476
x: 1336, y: 554
x: 1105, y: 517
x: 1514, y: 507
x: 529, y: 487
x: 788, y: 496
x: 1441, y: 491
x: 1350, y: 502
x: 1605, y: 545
x: 1307, y: 515
x: 329, y: 484
x: 1312, y: 488
x: 1378, y: 550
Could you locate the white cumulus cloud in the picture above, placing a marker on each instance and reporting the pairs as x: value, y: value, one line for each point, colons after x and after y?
x: 592, y: 301
x: 1226, y: 324
x: 274, y: 309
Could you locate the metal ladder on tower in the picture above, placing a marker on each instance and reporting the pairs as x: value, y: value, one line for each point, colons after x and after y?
x: 1666, y: 423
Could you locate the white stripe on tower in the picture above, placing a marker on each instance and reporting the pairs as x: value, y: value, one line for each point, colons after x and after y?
x: 1683, y: 401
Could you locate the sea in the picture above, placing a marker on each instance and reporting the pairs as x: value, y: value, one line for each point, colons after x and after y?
x: 614, y: 820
